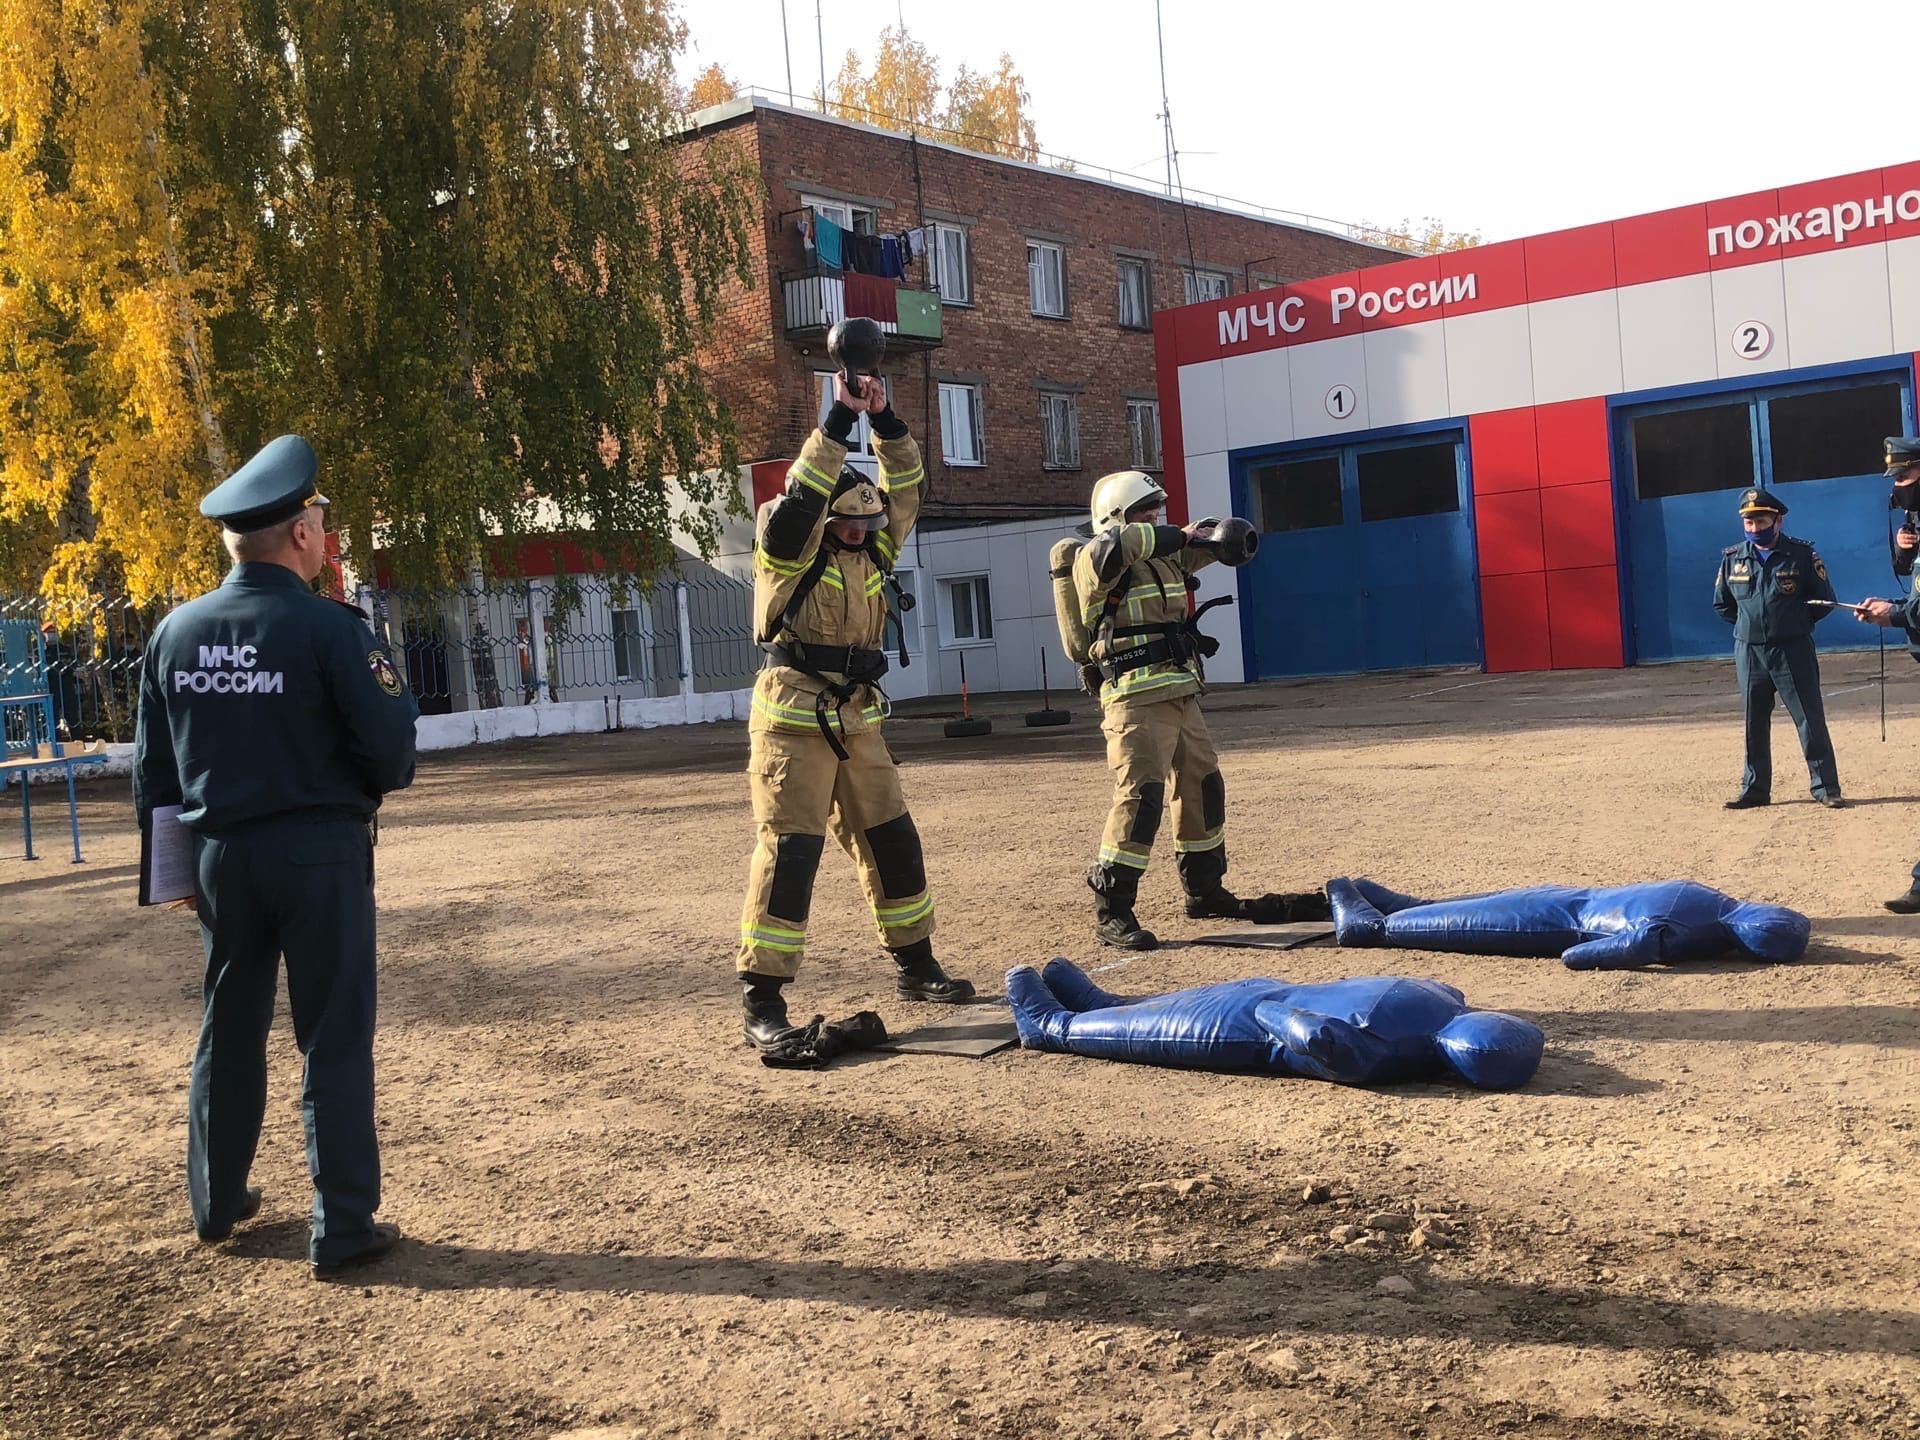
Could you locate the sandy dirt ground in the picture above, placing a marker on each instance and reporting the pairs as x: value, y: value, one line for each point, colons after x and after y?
x: 1701, y: 1219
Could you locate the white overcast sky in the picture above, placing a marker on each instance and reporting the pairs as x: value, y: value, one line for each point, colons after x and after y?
x: 1505, y: 118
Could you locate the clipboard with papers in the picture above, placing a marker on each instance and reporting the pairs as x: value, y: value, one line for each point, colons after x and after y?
x: 166, y: 858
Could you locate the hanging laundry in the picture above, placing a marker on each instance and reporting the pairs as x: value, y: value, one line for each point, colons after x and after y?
x: 916, y: 239
x: 829, y: 242
x: 864, y: 254
x: 892, y: 259
x: 873, y: 297
x: 806, y: 233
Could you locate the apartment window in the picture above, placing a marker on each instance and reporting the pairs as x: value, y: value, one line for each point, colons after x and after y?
x: 1060, y: 430
x: 860, y: 219
x: 1143, y: 433
x: 1205, y: 285
x: 1046, y: 278
x: 628, y: 646
x: 1136, y: 295
x: 860, y: 440
x: 952, y: 266
x: 967, y: 614
x: 962, y: 441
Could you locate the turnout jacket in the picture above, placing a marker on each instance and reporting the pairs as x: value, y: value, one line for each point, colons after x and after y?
x: 847, y: 604
x: 1140, y: 575
x: 1767, y: 603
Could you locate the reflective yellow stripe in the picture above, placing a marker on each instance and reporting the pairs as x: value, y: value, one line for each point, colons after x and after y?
x: 831, y: 575
x: 754, y: 937
x: 1112, y: 855
x: 906, y: 479
x: 884, y: 542
x: 1210, y: 842
x: 808, y: 719
x: 784, y: 567
x: 874, y: 582
x: 813, y: 479
x: 1139, y: 682
x: 1146, y: 549
x: 899, y: 916
x: 772, y: 931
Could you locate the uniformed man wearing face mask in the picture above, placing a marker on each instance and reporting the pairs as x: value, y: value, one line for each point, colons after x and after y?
x: 1903, y: 470
x: 1762, y: 589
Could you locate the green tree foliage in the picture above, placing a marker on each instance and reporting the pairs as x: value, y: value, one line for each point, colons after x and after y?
x: 454, y: 242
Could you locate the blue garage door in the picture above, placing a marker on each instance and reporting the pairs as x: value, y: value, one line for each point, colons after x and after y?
x: 1816, y: 445
x: 1365, y: 561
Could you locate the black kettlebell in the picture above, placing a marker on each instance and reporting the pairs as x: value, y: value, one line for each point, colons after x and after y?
x: 1232, y: 541
x: 856, y: 346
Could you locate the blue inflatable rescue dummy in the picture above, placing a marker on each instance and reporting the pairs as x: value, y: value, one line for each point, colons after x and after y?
x: 1659, y: 922
x: 1374, y: 1030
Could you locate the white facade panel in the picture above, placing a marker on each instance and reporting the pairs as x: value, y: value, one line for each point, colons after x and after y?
x: 1745, y: 295
x: 1259, y: 399
x: 1903, y: 286
x: 1666, y: 333
x: 1576, y: 347
x: 1203, y: 408
x: 1406, y: 374
x: 1489, y: 361
x: 1316, y: 371
x: 1838, y: 306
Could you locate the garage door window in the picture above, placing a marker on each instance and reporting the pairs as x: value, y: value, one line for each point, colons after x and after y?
x: 1685, y: 452
x: 1412, y: 480
x: 1297, y: 495
x: 1830, y: 434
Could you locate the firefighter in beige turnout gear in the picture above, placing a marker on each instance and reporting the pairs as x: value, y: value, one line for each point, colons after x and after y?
x: 823, y: 558
x: 1131, y: 584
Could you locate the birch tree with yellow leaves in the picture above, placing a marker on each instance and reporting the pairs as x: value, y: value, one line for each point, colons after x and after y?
x: 457, y: 244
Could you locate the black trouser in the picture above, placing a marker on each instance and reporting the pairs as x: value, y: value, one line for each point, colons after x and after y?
x: 1790, y: 668
x: 303, y: 890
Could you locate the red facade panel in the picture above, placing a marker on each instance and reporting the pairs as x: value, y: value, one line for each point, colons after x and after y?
x: 1660, y: 246
x: 1514, y: 611
x: 1583, y: 615
x: 1736, y: 211
x: 1422, y: 270
x: 1569, y: 262
x: 1500, y: 276
x: 1576, y: 523
x: 1573, y: 442
x: 1824, y: 195
x: 1507, y: 527
x: 1505, y: 454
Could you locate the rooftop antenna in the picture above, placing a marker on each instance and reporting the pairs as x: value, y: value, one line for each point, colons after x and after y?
x: 1173, y: 151
x: 820, y: 38
x: 786, y: 49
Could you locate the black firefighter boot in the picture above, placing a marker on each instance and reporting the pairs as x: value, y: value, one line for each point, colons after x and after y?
x: 1114, y: 888
x: 921, y: 977
x: 1203, y: 876
x: 765, y: 1023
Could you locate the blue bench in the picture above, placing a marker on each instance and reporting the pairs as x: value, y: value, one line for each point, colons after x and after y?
x: 27, y: 724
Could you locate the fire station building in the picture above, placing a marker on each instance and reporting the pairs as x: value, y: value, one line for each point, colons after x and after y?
x: 1527, y: 455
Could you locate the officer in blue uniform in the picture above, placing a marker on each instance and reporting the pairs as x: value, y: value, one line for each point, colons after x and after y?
x: 1903, y: 472
x: 270, y: 715
x: 1762, y: 590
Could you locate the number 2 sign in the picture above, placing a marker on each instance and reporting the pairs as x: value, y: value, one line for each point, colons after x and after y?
x: 1752, y: 339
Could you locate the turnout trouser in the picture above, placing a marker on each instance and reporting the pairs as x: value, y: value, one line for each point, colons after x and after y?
x: 800, y: 791
x: 1790, y: 668
x: 1160, y: 755
x: 302, y: 889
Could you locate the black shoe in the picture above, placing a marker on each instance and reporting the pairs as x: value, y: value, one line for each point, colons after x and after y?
x: 1907, y: 904
x: 1119, y: 929
x: 1832, y: 802
x: 1221, y: 904
x: 1747, y: 802
x: 921, y: 977
x: 765, y: 1023
x: 249, y: 1207
x: 384, y: 1238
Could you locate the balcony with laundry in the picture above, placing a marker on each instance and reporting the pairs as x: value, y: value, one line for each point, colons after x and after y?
x: 835, y: 271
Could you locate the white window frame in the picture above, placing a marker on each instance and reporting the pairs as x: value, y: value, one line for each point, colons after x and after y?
x: 956, y: 289
x: 845, y: 213
x: 1143, y: 416
x: 635, y: 633
x: 1196, y: 280
x: 979, y: 592
x: 1134, y: 264
x: 1037, y: 252
x: 1059, y: 430
x: 952, y: 395
x: 860, y: 438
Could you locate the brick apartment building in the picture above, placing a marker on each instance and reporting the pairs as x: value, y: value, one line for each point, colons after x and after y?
x: 1040, y: 375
